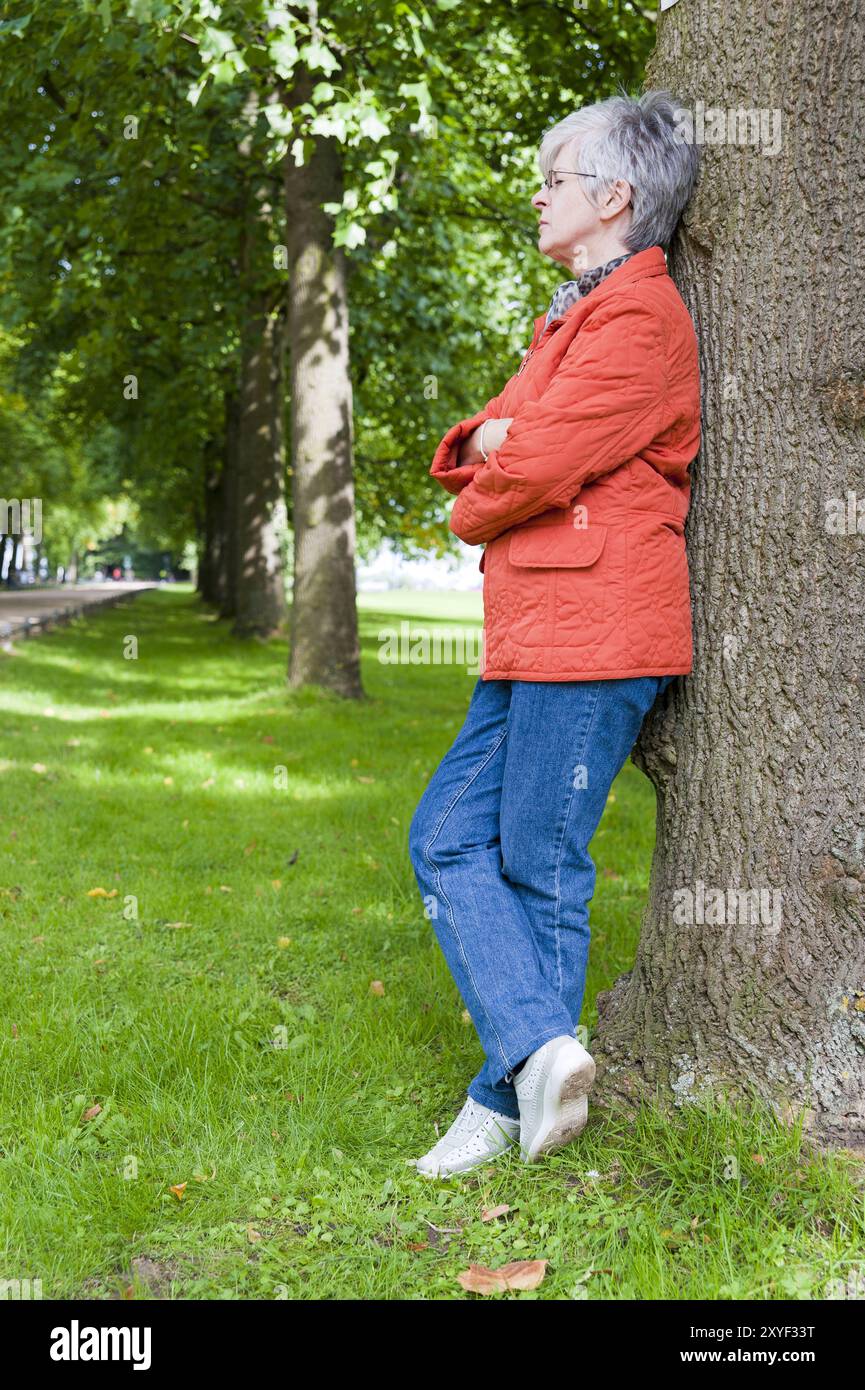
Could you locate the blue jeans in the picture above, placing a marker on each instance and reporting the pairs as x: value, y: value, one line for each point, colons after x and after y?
x: 499, y: 844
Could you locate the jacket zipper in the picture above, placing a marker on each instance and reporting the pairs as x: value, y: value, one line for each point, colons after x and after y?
x: 545, y: 332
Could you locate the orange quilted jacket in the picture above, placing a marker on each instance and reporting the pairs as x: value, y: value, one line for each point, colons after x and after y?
x: 583, y: 506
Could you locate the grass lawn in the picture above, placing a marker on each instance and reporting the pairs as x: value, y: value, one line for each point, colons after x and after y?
x: 200, y: 1093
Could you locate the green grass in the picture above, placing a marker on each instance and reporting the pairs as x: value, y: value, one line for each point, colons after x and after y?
x: 232, y: 1040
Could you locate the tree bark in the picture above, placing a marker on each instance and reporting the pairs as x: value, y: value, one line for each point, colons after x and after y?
x: 324, y: 633
x: 260, y: 606
x: 758, y: 758
x: 227, y: 502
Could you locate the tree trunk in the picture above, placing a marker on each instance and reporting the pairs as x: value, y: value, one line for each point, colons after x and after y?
x: 261, y: 521
x: 211, y: 557
x: 226, y: 523
x: 324, y: 634
x: 758, y: 758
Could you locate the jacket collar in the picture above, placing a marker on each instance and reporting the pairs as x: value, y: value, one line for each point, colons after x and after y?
x: 652, y: 261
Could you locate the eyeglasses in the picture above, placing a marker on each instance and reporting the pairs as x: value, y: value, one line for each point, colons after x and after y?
x: 550, y: 186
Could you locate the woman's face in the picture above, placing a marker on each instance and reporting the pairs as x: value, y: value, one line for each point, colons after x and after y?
x: 572, y: 230
x: 568, y: 220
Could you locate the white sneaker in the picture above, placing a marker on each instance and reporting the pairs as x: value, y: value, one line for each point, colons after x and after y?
x: 552, y: 1090
x: 477, y: 1135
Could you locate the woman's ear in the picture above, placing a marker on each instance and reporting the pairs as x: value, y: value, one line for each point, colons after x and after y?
x: 617, y: 197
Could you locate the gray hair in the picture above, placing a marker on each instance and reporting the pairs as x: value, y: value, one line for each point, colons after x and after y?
x: 640, y: 140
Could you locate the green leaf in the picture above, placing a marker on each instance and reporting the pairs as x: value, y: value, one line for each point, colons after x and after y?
x: 284, y: 54
x: 317, y: 55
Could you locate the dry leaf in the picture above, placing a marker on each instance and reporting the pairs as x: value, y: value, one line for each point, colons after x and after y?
x: 519, y: 1274
x: 178, y: 1190
x: 39, y: 767
x: 492, y: 1212
x: 101, y: 893
x: 91, y: 1113
x: 283, y: 941
x: 168, y: 781
x: 376, y: 987
x: 250, y: 847
x: 253, y: 1235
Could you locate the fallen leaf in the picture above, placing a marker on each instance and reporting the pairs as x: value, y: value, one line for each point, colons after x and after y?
x: 376, y: 987
x: 101, y: 893
x: 519, y: 1274
x: 492, y: 1212
x: 39, y: 767
x: 283, y: 941
x: 91, y: 1113
x: 178, y: 1190
x: 248, y: 849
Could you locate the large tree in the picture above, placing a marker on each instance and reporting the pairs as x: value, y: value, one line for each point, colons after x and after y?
x: 757, y: 757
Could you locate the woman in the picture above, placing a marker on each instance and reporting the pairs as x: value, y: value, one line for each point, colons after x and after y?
x: 576, y: 477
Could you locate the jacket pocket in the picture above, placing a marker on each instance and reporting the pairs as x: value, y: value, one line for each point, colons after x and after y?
x: 556, y: 547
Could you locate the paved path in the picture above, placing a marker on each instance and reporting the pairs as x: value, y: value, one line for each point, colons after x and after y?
x: 28, y: 611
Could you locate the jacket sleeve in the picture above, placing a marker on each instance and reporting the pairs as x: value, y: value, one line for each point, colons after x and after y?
x: 444, y: 465
x: 603, y: 406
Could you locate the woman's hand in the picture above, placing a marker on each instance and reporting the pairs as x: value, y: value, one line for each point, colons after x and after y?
x: 494, y: 437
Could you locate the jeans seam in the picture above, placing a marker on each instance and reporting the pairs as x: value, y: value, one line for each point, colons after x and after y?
x: 437, y: 875
x: 561, y: 848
